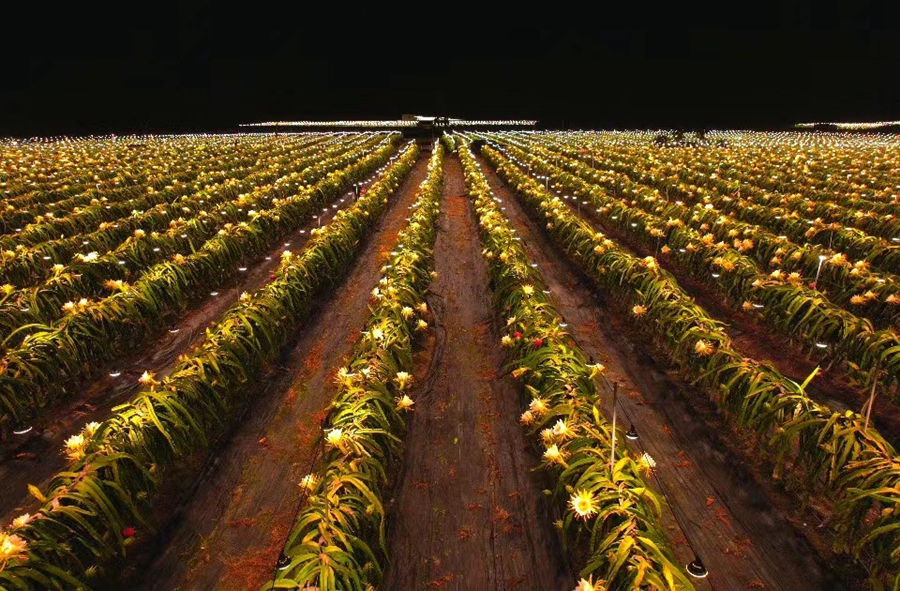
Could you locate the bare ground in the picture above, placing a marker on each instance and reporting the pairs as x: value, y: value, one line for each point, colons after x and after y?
x: 742, y: 536
x: 469, y: 512
x: 230, y: 525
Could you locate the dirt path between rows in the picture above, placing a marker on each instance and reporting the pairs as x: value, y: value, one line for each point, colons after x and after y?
x: 231, y: 525
x: 741, y: 536
x: 38, y: 457
x: 468, y: 511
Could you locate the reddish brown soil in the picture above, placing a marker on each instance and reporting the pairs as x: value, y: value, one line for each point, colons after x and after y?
x: 231, y: 525
x: 468, y: 512
x: 731, y: 520
x: 34, y: 459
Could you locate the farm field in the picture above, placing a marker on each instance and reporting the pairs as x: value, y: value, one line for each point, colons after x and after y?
x: 484, y: 360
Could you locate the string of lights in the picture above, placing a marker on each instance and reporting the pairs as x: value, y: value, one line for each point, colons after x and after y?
x: 850, y: 126
x: 398, y: 123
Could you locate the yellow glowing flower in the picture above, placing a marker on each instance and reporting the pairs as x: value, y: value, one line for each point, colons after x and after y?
x: 147, y: 379
x: 403, y: 378
x: 703, y: 348
x: 11, y: 546
x: 538, y: 407
x: 527, y: 418
x: 23, y: 519
x: 639, y: 310
x: 334, y: 436
x: 405, y: 403
x: 587, y: 585
x: 596, y: 369
x: 75, y: 447
x: 309, y: 481
x: 553, y: 455
x: 583, y: 504
x: 115, y: 285
x: 547, y: 436
x: 406, y: 312
x: 562, y: 431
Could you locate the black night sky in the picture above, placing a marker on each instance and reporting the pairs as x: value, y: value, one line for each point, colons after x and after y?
x: 205, y: 76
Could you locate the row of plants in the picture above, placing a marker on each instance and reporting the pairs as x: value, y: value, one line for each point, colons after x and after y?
x: 337, y: 540
x: 691, y: 187
x: 50, y: 360
x: 58, y: 169
x: 106, y: 208
x: 785, y: 302
x: 181, y: 167
x: 853, y: 285
x: 833, y: 454
x: 24, y: 265
x: 217, y: 208
x: 839, y: 201
x: 40, y: 177
x: 97, y: 507
x: 813, y: 177
x: 609, y: 510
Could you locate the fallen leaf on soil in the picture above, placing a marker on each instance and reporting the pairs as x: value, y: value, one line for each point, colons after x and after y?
x: 722, y: 516
x: 474, y: 506
x: 710, y: 501
x: 501, y: 514
x: 441, y: 582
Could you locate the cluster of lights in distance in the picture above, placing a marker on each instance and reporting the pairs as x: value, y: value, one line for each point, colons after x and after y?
x: 386, y: 124
x: 851, y: 126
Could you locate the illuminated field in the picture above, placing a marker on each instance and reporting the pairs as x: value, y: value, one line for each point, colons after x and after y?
x: 349, y: 359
